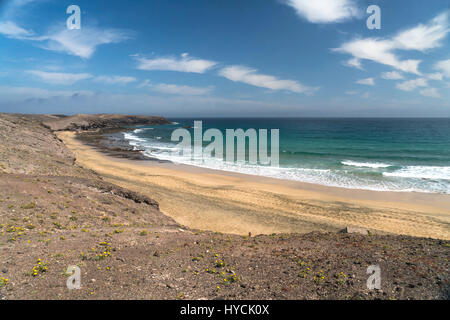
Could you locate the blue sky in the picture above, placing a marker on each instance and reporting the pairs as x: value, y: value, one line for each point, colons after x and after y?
x: 271, y: 58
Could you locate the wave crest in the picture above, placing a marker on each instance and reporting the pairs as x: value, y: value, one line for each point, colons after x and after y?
x: 375, y: 165
x: 421, y: 172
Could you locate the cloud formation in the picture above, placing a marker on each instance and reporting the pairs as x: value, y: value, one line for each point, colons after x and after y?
x: 421, y: 38
x: 183, y: 64
x: 177, y: 89
x: 444, y: 67
x: 435, y: 76
x: 393, y: 75
x: 430, y: 92
x: 115, y: 79
x: 82, y: 42
x: 367, y: 82
x: 380, y: 51
x: 325, y: 11
x: 12, y: 30
x: 353, y: 62
x: 425, y: 36
x: 410, y: 85
x: 59, y: 78
x: 250, y: 76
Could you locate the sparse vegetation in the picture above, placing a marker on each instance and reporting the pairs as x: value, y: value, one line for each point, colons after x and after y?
x: 30, y: 205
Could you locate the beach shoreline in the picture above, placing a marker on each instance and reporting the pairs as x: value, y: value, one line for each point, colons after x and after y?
x: 238, y: 203
x: 59, y: 207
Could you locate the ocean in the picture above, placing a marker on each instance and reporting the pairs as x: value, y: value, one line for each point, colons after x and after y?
x: 403, y: 155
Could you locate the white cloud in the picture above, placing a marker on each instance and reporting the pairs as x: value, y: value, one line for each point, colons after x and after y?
x: 435, y: 76
x: 70, y: 78
x: 380, y: 51
x: 420, y: 38
x: 177, y: 89
x: 183, y: 64
x: 115, y: 79
x: 182, y: 90
x: 59, y: 78
x: 144, y: 84
x: 444, y: 67
x: 11, y: 30
x: 394, y: 75
x: 81, y: 43
x: 251, y: 76
x: 424, y: 37
x: 325, y: 11
x: 368, y: 81
x: 353, y: 62
x: 430, y: 92
x: 410, y: 85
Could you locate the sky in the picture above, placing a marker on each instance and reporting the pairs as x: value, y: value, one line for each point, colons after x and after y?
x: 234, y: 58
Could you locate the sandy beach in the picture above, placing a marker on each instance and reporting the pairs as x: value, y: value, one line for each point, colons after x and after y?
x: 237, y: 203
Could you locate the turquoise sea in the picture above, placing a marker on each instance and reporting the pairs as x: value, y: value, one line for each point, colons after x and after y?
x: 409, y: 155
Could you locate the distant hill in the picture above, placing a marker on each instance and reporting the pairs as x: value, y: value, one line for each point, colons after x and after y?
x: 100, y: 121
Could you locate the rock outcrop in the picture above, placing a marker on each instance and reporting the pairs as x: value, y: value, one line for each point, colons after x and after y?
x: 357, y: 230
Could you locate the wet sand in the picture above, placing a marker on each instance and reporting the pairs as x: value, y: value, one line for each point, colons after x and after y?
x: 238, y: 203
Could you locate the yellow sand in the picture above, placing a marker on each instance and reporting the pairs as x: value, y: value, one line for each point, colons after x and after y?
x: 237, y: 203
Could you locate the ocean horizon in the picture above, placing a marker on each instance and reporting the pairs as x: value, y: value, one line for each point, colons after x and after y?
x: 380, y: 154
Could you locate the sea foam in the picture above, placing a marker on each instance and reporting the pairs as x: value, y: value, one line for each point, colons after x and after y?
x: 421, y: 172
x: 405, y: 179
x: 365, y: 164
